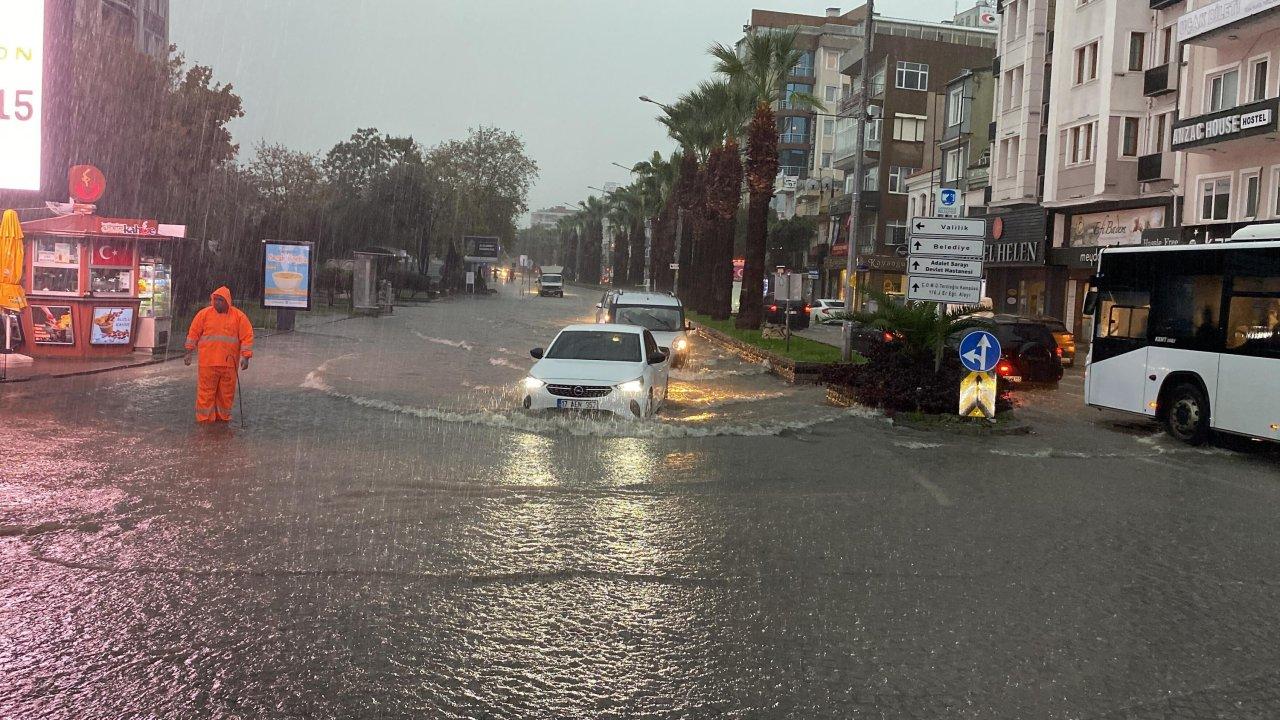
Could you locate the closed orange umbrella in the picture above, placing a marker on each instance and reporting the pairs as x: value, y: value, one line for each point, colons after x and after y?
x: 11, y: 295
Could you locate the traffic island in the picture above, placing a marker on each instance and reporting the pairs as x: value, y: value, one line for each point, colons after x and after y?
x: 806, y: 362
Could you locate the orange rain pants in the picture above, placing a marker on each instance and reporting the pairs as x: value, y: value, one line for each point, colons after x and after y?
x: 215, y: 393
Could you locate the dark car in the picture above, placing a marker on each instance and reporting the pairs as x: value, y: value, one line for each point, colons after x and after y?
x: 776, y: 312
x: 1028, y: 350
x: 1065, y: 338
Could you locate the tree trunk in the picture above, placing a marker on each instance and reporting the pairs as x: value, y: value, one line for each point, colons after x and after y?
x: 751, y: 302
x: 663, y: 247
x: 684, y: 288
x: 722, y: 267
x: 619, y: 258
x: 635, y: 266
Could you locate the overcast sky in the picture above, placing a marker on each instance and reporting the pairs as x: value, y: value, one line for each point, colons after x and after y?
x: 564, y: 74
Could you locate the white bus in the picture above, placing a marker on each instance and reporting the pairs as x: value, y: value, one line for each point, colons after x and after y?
x: 1190, y: 335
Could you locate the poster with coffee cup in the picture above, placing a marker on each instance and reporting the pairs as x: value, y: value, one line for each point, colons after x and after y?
x: 286, y: 275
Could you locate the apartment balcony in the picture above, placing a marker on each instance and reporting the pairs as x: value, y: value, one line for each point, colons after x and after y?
x: 1229, y: 24
x: 841, y: 204
x: 1162, y: 4
x: 871, y: 200
x: 795, y: 138
x: 1160, y: 80
x: 1153, y: 167
x: 802, y: 72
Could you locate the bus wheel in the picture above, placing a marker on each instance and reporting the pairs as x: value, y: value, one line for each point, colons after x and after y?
x: 1186, y: 414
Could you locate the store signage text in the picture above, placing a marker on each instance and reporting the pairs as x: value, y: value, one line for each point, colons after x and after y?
x: 1013, y: 252
x: 139, y: 228
x: 1223, y: 12
x: 1118, y: 227
x: 1244, y: 121
x: 21, y: 81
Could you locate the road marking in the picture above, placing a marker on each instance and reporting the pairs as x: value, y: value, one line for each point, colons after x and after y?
x: 938, y: 495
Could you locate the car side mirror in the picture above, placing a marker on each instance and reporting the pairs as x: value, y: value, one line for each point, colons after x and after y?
x: 659, y: 357
x: 536, y: 353
x: 1090, y: 303
x: 599, y: 306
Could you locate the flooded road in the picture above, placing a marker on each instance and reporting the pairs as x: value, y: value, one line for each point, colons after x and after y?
x: 387, y: 536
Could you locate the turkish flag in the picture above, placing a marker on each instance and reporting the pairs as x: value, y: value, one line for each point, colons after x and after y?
x: 112, y: 253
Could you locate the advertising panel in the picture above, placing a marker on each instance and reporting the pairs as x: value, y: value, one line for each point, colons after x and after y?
x: 111, y: 326
x: 481, y: 249
x: 21, y: 83
x: 286, y: 275
x: 52, y: 325
x: 1118, y: 227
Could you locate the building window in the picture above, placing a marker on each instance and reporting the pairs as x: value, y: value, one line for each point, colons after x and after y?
x: 1221, y: 92
x: 792, y: 89
x: 1251, y: 185
x: 833, y: 59
x: 873, y: 131
x: 1080, y: 144
x: 1137, y: 50
x: 845, y: 89
x: 1087, y: 63
x: 1013, y: 88
x: 831, y: 93
x: 793, y: 129
x: 955, y: 105
x: 1129, y: 141
x: 895, y: 232
x: 912, y: 76
x: 953, y: 165
x: 826, y: 159
x: 898, y: 178
x: 1258, y: 70
x: 1215, y: 195
x: 909, y: 128
x: 1158, y: 132
x: 1012, y: 148
x: 804, y: 68
x: 1167, y: 44
x: 828, y: 126
x: 871, y: 179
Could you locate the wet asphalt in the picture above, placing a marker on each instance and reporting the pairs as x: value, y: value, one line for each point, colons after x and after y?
x: 387, y: 536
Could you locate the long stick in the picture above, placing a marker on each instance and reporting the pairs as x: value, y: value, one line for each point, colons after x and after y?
x: 240, y: 397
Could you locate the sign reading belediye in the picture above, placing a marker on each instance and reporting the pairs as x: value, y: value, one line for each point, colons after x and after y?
x: 21, y: 81
x: 286, y: 274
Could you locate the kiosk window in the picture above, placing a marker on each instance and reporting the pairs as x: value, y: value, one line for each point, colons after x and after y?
x: 55, y: 269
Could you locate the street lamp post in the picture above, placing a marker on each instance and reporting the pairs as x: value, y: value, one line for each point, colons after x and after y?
x: 855, y: 219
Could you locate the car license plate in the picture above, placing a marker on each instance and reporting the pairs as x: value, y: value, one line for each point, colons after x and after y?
x: 1015, y: 378
x: 578, y: 404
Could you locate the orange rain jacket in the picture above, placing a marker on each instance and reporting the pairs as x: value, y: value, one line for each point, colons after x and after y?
x: 221, y: 338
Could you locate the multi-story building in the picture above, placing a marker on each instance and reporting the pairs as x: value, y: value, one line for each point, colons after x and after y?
x: 964, y: 150
x: 1101, y: 51
x: 144, y: 22
x: 1228, y: 115
x: 910, y: 66
x: 548, y: 217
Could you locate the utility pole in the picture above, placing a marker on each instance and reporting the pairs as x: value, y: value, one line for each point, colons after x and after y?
x: 855, y: 210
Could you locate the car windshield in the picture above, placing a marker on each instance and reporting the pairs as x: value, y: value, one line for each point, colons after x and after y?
x: 596, y: 345
x: 659, y: 318
x: 550, y: 278
x: 1022, y: 333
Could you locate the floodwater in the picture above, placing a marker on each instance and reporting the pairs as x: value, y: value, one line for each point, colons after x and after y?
x: 387, y: 536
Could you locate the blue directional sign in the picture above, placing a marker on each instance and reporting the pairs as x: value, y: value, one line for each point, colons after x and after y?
x: 980, y: 351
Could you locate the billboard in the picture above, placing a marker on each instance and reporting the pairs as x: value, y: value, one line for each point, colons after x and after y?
x: 481, y: 249
x: 286, y: 274
x: 21, y: 83
x: 111, y: 326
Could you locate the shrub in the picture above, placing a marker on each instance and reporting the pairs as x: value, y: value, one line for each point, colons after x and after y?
x: 332, y: 281
x: 898, y: 380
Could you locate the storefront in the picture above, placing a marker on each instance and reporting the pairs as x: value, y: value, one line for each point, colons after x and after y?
x: 96, y: 287
x: 882, y: 274
x: 1019, y: 281
x: 835, y: 272
x: 1083, y: 234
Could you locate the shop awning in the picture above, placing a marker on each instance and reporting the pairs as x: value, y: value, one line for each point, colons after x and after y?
x: 96, y: 226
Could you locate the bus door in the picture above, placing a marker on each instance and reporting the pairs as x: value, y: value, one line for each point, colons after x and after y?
x: 1118, y: 357
x: 1248, y: 393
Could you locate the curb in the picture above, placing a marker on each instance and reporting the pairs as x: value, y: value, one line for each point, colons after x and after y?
x: 789, y: 370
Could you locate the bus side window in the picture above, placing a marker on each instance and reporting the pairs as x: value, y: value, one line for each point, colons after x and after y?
x: 1123, y: 314
x: 1253, y: 317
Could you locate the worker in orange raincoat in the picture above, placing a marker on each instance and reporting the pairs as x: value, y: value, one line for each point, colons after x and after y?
x: 223, y: 336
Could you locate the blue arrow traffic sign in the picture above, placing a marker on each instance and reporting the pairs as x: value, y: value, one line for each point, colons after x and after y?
x: 980, y: 351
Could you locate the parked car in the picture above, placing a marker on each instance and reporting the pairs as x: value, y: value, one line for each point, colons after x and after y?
x: 606, y: 367
x: 776, y: 312
x: 1028, y: 350
x: 1065, y: 338
x: 660, y: 313
x: 825, y: 311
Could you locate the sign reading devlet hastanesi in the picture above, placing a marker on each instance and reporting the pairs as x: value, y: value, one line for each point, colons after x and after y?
x: 286, y: 275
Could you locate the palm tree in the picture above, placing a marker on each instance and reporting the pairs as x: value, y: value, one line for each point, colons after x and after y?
x: 590, y: 217
x: 658, y: 178
x: 760, y: 71
x: 567, y: 229
x: 923, y: 330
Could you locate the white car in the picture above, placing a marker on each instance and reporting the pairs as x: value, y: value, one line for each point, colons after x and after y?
x: 660, y: 313
x: 611, y: 368
x: 824, y: 311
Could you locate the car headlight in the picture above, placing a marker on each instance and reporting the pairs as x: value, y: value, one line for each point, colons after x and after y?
x: 532, y: 383
x: 680, y: 344
x: 632, y: 386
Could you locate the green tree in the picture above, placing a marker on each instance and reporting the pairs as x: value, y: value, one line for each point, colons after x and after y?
x: 760, y: 71
x: 921, y: 327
